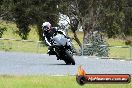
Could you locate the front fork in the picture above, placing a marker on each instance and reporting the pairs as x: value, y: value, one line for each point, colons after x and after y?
x: 61, y: 51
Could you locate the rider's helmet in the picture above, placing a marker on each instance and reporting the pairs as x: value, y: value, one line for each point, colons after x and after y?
x: 46, y: 26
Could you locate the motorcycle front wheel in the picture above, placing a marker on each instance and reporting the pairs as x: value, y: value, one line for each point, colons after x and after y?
x: 69, y: 58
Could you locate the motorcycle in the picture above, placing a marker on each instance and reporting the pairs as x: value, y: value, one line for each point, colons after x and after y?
x: 63, y: 48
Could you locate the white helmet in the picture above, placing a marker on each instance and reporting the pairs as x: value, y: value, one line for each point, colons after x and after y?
x: 46, y: 26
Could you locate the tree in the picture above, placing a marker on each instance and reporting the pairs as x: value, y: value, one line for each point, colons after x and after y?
x: 114, y: 17
x: 21, y: 18
x: 128, y: 18
x: 36, y: 12
x: 29, y: 12
x: 66, y: 7
x: 96, y: 15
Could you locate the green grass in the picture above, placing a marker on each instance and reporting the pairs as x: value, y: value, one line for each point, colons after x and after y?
x: 20, y: 46
x: 115, y: 42
x: 118, y: 51
x: 50, y: 82
x: 10, y: 45
x: 12, y: 31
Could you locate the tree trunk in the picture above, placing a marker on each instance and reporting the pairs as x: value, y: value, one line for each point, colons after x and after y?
x: 77, y: 40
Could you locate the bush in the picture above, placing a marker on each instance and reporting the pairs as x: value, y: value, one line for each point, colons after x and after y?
x: 2, y: 29
x: 95, y: 48
x: 128, y: 42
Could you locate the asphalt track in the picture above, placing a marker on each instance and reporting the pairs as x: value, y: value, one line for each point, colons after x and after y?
x: 14, y: 63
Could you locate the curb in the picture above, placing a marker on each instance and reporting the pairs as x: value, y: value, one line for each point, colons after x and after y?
x: 114, y: 58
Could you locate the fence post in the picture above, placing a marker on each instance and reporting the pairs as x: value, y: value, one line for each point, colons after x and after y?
x: 130, y: 51
x: 37, y: 46
x: 1, y: 45
x: 82, y: 48
x: 9, y: 45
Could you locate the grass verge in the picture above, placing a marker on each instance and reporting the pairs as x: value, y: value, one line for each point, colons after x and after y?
x: 50, y: 82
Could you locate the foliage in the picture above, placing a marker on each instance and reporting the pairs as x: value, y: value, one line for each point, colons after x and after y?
x: 97, y: 46
x: 25, y: 13
x: 109, y: 15
x: 2, y: 30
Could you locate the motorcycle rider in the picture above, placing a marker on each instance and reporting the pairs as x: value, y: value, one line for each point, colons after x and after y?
x: 48, y: 33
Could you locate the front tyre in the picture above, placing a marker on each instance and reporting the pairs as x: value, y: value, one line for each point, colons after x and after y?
x: 69, y: 58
